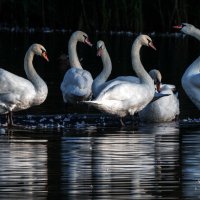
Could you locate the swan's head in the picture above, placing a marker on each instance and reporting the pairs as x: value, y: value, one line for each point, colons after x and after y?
x: 147, y: 41
x: 39, y: 50
x: 185, y: 28
x: 157, y: 77
x: 81, y: 37
x: 100, y: 47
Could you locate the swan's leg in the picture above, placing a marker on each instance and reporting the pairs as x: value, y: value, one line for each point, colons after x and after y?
x: 7, y: 119
x: 121, y: 121
x: 6, y: 123
x: 10, y: 119
x: 10, y: 123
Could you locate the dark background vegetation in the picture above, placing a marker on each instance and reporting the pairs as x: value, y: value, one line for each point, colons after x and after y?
x: 101, y: 15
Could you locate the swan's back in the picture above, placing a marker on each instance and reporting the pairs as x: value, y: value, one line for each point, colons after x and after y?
x: 76, y: 85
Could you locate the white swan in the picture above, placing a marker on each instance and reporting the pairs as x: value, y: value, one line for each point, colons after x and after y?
x: 164, y: 109
x: 122, y: 97
x: 191, y: 77
x: 77, y: 82
x: 17, y: 93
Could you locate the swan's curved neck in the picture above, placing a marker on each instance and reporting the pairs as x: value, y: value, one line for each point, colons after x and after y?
x: 105, y: 73
x: 195, y: 33
x: 137, y: 65
x: 39, y: 85
x: 73, y: 57
x: 195, y: 66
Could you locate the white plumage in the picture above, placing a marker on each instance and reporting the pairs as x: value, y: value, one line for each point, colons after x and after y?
x: 164, y: 109
x: 191, y: 77
x: 122, y: 97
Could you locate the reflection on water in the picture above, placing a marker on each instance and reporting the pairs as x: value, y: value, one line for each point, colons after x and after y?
x: 190, y: 163
x: 23, y: 168
x: 151, y: 161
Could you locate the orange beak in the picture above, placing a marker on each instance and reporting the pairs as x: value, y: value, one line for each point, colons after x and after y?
x: 178, y: 27
x: 158, y: 86
x: 44, y: 55
x: 152, y: 45
x: 88, y: 42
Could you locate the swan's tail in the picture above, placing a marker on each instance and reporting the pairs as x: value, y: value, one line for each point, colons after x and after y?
x: 102, y: 106
x: 95, y: 104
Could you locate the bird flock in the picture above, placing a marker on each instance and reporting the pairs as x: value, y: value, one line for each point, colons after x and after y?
x: 143, y: 94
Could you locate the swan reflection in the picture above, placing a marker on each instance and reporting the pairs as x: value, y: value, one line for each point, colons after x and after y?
x: 122, y: 163
x: 23, y: 168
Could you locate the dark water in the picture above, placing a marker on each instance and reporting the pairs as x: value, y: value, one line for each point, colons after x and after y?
x: 88, y: 158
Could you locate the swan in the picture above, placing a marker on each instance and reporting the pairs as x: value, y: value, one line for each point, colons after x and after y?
x: 17, y: 93
x: 191, y: 78
x: 123, y: 97
x: 77, y: 82
x: 164, y: 109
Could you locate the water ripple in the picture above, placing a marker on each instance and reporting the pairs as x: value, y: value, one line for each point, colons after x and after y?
x: 151, y: 161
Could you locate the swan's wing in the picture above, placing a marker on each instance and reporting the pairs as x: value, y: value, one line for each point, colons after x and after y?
x: 158, y: 96
x: 161, y: 110
x: 110, y: 87
x: 170, y: 103
x: 195, y: 80
x: 8, y: 99
x: 168, y: 86
x: 15, y: 92
x: 75, y: 77
x: 11, y: 83
x: 123, y: 90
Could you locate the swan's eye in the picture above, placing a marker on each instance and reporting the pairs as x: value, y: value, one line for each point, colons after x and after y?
x: 43, y: 51
x: 85, y: 37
